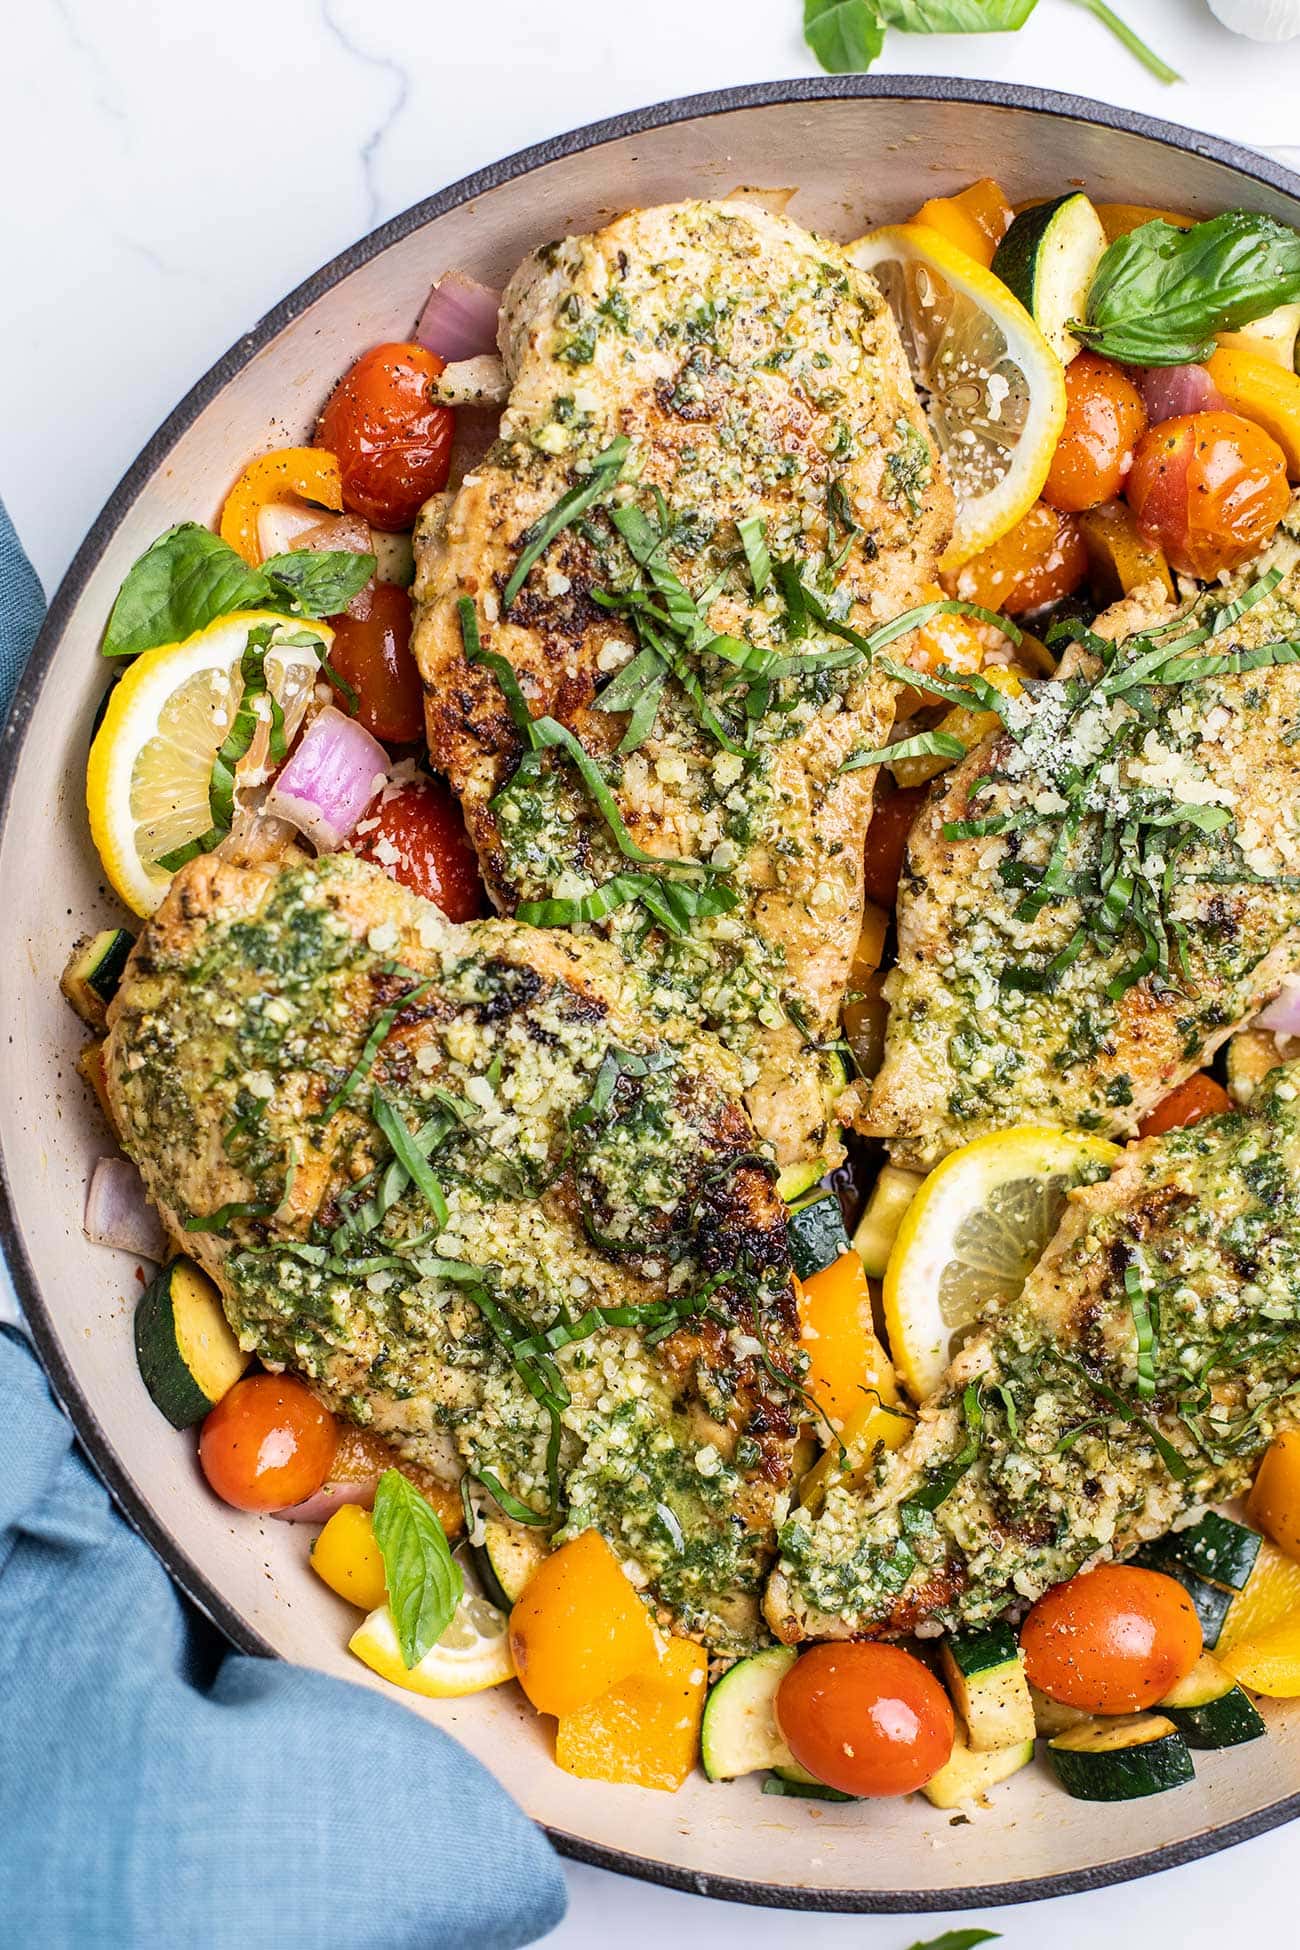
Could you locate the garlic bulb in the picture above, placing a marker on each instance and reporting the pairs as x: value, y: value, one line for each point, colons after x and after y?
x: 1260, y: 20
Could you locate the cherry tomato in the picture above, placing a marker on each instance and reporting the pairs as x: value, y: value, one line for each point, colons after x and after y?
x: 1113, y: 1640
x: 392, y: 442
x: 1199, y: 1097
x: 1208, y: 489
x: 417, y: 835
x: 1040, y: 560
x: 891, y: 822
x: 268, y: 1443
x: 866, y: 1719
x: 1104, y: 420
x: 373, y: 655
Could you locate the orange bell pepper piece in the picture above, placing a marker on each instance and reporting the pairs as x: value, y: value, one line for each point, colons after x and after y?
x: 976, y: 219
x: 845, y: 1359
x: 1199, y: 1097
x: 309, y: 473
x: 1274, y: 1502
x: 579, y: 1628
x: 644, y: 1732
x: 1117, y: 219
x: 1263, y: 391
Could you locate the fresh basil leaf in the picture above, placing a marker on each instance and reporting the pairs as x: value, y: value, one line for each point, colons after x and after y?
x: 182, y: 583
x: 845, y: 35
x: 955, y: 16
x: 959, y: 1940
x: 423, y: 1579
x: 1161, y: 294
x: 926, y: 744
x: 317, y: 582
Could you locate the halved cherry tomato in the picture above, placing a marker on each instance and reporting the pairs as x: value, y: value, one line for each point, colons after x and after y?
x: 1104, y: 420
x: 1209, y: 489
x: 1039, y: 561
x: 1113, y: 1640
x: 393, y: 442
x: 268, y: 1443
x: 891, y: 822
x: 866, y: 1719
x: 373, y: 655
x: 417, y: 835
x: 1199, y: 1097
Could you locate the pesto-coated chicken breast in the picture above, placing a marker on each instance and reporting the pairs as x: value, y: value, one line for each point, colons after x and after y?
x: 1104, y: 890
x: 1150, y: 1359
x: 712, y: 476
x: 450, y: 1176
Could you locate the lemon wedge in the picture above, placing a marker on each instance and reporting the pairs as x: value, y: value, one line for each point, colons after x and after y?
x: 472, y: 1654
x: 972, y: 1235
x: 993, y: 388
x: 151, y: 760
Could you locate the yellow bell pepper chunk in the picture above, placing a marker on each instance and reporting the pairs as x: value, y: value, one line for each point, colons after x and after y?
x: 1273, y: 336
x: 1117, y: 219
x: 309, y: 473
x: 644, y: 1732
x: 1263, y: 391
x: 1269, y: 1663
x: 870, y: 1428
x: 1274, y: 1503
x: 578, y: 1628
x: 347, y: 1557
x: 1272, y: 1593
x: 845, y: 1358
x: 962, y: 723
x: 1119, y: 561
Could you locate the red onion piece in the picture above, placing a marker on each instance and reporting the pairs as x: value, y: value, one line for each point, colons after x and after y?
x: 1282, y: 1015
x: 329, y: 780
x: 1168, y: 391
x: 359, y: 1461
x: 459, y: 319
x: 329, y: 1498
x: 118, y: 1212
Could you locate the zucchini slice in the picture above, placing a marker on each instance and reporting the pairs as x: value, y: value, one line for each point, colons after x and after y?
x: 1210, y: 1601
x: 94, y: 970
x: 808, y: 1790
x: 1216, y: 1548
x: 1052, y: 1716
x: 739, y: 1734
x: 816, y: 1234
x: 877, y: 1230
x: 1210, y: 1709
x: 1048, y: 260
x: 1121, y: 1759
x: 795, y: 1180
x: 986, y: 1677
x: 968, y: 1773
x: 187, y: 1355
x: 505, y: 1560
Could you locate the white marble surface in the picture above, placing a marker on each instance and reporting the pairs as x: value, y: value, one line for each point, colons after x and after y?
x: 171, y: 170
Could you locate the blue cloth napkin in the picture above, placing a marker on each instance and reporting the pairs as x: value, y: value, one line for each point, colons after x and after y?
x: 158, y: 1789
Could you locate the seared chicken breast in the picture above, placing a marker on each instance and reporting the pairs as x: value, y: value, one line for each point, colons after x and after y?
x: 1150, y: 1359
x: 452, y: 1177
x: 712, y: 477
x: 1103, y: 891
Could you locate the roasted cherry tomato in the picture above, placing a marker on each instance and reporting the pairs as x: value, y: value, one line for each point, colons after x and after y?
x: 1104, y: 420
x: 1040, y: 560
x: 1199, y: 1097
x: 1208, y: 489
x: 268, y: 1443
x: 1113, y: 1640
x: 373, y: 655
x: 392, y: 441
x: 866, y: 1719
x: 417, y: 835
x: 891, y: 822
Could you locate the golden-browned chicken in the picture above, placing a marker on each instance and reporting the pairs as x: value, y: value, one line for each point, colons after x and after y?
x: 1152, y: 1356
x: 1105, y: 889
x: 712, y: 473
x: 451, y: 1176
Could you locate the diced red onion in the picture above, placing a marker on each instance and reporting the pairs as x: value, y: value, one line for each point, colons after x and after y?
x: 118, y: 1212
x: 1282, y: 1015
x: 360, y: 1459
x: 329, y: 1498
x: 459, y: 319
x: 329, y: 779
x: 281, y: 526
x: 1168, y: 391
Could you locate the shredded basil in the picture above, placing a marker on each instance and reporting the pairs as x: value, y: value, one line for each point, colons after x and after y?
x: 370, y: 1048
x: 605, y: 470
x: 925, y: 744
x: 753, y: 539
x: 408, y: 1153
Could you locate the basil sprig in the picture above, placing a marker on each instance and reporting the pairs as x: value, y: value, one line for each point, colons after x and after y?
x: 189, y: 577
x: 848, y: 35
x: 1161, y: 294
x: 423, y: 1578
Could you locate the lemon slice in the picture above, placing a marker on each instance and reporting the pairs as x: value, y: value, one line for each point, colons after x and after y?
x: 151, y: 761
x: 972, y: 1235
x: 472, y: 1654
x: 994, y: 390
